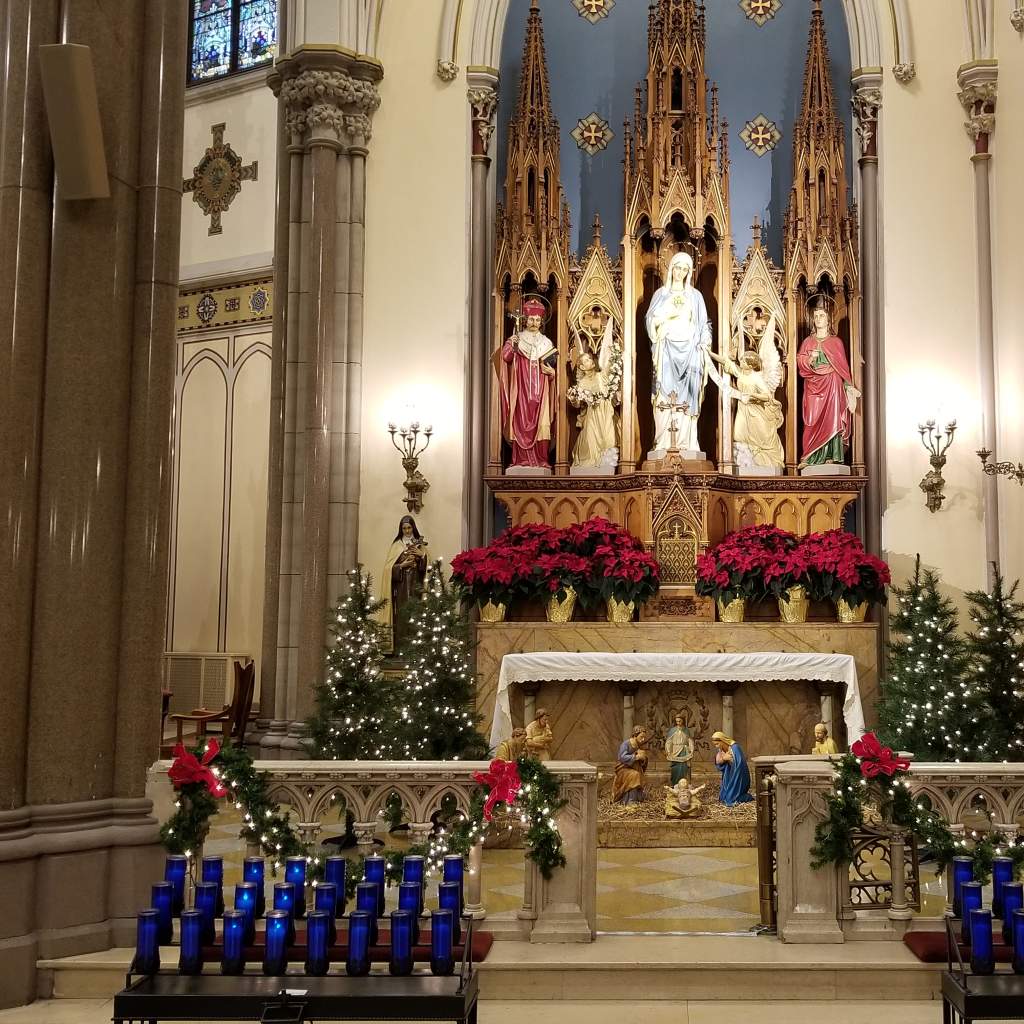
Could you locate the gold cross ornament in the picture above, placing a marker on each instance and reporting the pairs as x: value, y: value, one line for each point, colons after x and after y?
x: 218, y: 177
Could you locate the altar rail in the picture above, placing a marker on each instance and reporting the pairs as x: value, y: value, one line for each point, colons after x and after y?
x: 560, y: 909
x: 820, y: 906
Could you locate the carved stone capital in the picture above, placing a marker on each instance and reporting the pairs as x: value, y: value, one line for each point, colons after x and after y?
x: 905, y: 72
x: 866, y: 102
x: 447, y: 70
x: 980, y: 125
x: 483, y: 102
x: 1017, y: 18
x: 978, y: 88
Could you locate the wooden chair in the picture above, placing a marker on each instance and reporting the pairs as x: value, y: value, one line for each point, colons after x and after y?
x: 233, y: 718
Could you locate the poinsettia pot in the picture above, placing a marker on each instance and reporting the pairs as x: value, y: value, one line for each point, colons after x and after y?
x: 732, y: 611
x: 620, y: 611
x: 493, y: 611
x: 794, y: 604
x: 850, y: 613
x: 561, y: 610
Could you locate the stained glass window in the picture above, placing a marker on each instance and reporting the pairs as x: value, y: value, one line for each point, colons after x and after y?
x: 227, y: 36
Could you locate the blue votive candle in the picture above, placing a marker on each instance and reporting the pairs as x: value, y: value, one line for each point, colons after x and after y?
x: 454, y: 871
x: 318, y: 924
x: 448, y: 894
x: 325, y: 898
x: 409, y: 899
x: 335, y: 869
x: 374, y: 871
x: 284, y: 899
x: 1002, y: 872
x: 190, y: 960
x: 366, y: 901
x: 176, y: 872
x: 254, y: 870
x: 206, y: 902
x: 359, y: 924
x: 1017, y: 928
x: 233, y: 959
x: 413, y: 870
x: 295, y: 872
x: 1013, y: 899
x: 163, y: 902
x: 442, y: 956
x: 213, y: 871
x: 970, y: 899
x: 401, y: 942
x: 275, y: 954
x: 245, y: 901
x: 147, y: 945
x: 963, y: 871
x: 982, y: 958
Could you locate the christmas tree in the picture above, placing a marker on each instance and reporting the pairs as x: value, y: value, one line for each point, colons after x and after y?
x: 356, y: 716
x: 930, y: 707
x: 437, y: 719
x: 996, y: 669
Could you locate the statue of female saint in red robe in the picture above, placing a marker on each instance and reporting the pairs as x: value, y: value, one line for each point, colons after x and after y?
x: 526, y: 374
x: 830, y: 398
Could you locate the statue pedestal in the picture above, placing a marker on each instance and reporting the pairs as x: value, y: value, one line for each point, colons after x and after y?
x: 760, y: 471
x: 677, y: 460
x: 528, y: 471
x: 827, y: 469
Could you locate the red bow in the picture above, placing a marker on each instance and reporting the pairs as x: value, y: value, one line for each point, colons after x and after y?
x: 875, y: 759
x: 187, y: 769
x: 502, y: 780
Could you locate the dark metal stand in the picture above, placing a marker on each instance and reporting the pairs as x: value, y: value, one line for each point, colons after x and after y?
x: 969, y: 997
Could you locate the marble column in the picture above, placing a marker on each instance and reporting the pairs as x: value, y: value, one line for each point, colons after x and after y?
x: 977, y: 82
x: 867, y: 101
x: 727, y: 691
x: 629, y: 692
x: 483, y: 101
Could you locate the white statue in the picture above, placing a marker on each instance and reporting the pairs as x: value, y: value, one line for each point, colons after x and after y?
x: 595, y: 394
x: 756, y: 444
x: 680, y: 335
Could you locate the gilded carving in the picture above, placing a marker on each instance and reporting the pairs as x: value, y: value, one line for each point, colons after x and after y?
x: 218, y: 177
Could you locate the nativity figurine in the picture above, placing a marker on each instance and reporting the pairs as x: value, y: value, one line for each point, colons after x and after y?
x: 402, y: 577
x: 681, y: 801
x: 631, y: 768
x: 539, y: 736
x: 823, y: 743
x: 679, y: 750
x: 730, y: 762
x: 596, y: 393
x: 514, y: 747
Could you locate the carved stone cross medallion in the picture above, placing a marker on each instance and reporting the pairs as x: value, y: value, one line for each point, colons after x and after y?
x: 217, y: 178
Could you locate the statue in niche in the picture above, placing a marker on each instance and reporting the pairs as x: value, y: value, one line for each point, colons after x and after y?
x: 526, y: 377
x: 756, y: 444
x: 402, y: 578
x: 680, y: 336
x: 830, y: 399
x: 596, y: 393
x: 679, y: 749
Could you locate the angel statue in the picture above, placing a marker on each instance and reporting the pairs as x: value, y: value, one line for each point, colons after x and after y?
x: 756, y: 445
x: 595, y: 394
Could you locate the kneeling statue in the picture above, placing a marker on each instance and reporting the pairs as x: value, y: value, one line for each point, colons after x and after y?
x: 681, y: 801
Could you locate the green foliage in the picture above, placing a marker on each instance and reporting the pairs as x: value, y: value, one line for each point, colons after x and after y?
x: 541, y: 801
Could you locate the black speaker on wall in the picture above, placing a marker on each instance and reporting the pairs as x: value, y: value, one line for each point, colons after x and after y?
x: 69, y: 88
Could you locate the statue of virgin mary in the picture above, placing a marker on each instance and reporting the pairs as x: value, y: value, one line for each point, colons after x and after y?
x: 680, y: 335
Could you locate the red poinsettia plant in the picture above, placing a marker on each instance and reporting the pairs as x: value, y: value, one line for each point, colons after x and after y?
x: 736, y: 566
x: 554, y: 574
x: 491, y: 573
x: 791, y: 569
x: 840, y: 568
x: 625, y: 573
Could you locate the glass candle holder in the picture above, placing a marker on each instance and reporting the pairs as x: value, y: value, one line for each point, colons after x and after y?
x: 275, y: 952
x: 213, y: 871
x: 245, y: 901
x: 334, y: 872
x: 206, y: 902
x: 375, y: 871
x: 254, y: 870
x: 233, y: 958
x: 401, y: 942
x: 448, y: 898
x: 147, y: 945
x: 454, y: 871
x: 1013, y: 900
x: 284, y: 899
x: 1002, y: 872
x: 295, y: 872
x: 970, y: 899
x: 163, y: 902
x: 176, y: 872
x: 414, y: 870
x: 318, y: 923
x: 190, y: 959
x: 963, y: 871
x: 409, y: 899
x: 360, y: 922
x: 1017, y: 930
x: 982, y: 957
x: 366, y: 901
x: 442, y: 955
x: 325, y: 898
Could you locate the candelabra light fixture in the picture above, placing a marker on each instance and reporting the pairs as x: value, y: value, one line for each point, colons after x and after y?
x: 410, y: 449
x: 1014, y: 472
x: 936, y: 443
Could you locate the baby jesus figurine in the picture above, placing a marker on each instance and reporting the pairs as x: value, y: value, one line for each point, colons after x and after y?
x: 681, y: 801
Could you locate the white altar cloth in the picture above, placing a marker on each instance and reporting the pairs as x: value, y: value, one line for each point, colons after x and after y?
x: 555, y: 666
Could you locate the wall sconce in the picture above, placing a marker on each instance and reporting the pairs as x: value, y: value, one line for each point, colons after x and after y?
x: 936, y: 445
x: 415, y: 483
x: 1001, y: 468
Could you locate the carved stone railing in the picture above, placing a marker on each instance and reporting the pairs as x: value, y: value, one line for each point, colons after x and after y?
x: 560, y: 909
x: 821, y: 906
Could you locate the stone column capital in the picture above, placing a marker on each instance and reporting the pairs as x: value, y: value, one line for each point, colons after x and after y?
x: 483, y: 102
x: 866, y: 102
x: 978, y: 87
